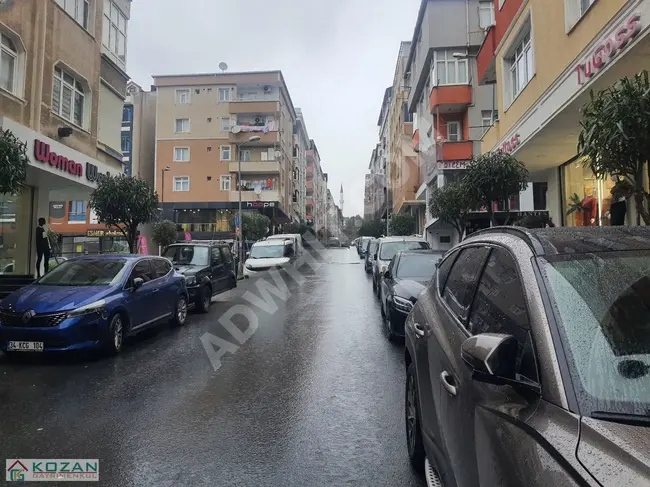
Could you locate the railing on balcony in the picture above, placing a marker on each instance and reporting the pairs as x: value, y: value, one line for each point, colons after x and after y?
x: 257, y: 97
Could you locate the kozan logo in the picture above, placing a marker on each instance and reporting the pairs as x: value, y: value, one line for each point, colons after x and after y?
x: 43, y: 154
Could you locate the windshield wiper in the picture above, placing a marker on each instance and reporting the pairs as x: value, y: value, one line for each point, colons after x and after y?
x: 623, y: 418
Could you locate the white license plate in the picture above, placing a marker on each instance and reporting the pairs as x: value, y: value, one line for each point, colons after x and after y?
x: 25, y: 346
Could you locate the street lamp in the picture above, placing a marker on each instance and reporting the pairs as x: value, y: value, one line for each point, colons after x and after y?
x: 252, y: 138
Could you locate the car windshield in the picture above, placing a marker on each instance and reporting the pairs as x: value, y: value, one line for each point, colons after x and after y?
x: 417, y: 266
x: 267, y: 252
x: 389, y: 249
x: 372, y: 247
x: 188, y: 255
x: 602, y: 301
x: 85, y: 272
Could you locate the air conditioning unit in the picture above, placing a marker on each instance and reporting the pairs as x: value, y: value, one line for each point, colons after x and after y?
x: 267, y: 89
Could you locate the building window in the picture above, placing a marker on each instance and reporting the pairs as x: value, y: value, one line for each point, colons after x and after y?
x: 68, y: 97
x: 181, y: 154
x: 226, y: 124
x: 127, y: 113
x: 584, y: 6
x: 77, y: 211
x: 449, y: 70
x: 224, y: 94
x: 77, y: 9
x: 485, y: 14
x: 501, y: 4
x: 182, y: 97
x: 114, y: 30
x: 181, y: 183
x: 226, y: 183
x: 520, y: 64
x: 453, y: 132
x: 182, y: 126
x: 126, y: 143
x: 488, y: 117
x: 245, y: 155
x: 445, y: 239
x: 225, y: 152
x: 8, y: 64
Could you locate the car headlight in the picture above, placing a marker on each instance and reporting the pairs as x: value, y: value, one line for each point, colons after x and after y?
x: 97, y: 307
x: 190, y: 280
x: 383, y: 268
x: 402, y: 304
x: 249, y: 267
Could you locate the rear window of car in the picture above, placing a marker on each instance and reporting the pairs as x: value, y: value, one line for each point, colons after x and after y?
x: 389, y: 249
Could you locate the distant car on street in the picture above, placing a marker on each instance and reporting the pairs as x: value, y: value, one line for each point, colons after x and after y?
x: 208, y: 269
x: 528, y: 360
x: 371, y: 249
x: 333, y: 242
x: 406, y: 276
x: 92, y: 302
x: 387, y: 247
x: 363, y: 245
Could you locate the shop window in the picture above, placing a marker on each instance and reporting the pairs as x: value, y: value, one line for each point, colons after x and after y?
x: 69, y: 97
x: 77, y: 211
x: 587, y: 200
x: 16, y: 229
x: 12, y: 62
x: 539, y: 196
x: 519, y: 63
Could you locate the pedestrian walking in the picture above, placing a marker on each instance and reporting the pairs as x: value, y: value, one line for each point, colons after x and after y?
x: 42, y: 248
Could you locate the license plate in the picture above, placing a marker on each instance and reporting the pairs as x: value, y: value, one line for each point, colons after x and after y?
x: 25, y: 346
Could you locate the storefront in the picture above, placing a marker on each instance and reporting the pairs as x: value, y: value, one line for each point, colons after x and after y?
x: 56, y: 173
x: 545, y: 139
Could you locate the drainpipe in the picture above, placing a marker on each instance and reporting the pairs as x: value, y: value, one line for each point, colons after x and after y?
x: 38, y: 65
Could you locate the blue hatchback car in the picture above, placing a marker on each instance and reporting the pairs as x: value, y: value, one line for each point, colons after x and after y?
x: 92, y: 301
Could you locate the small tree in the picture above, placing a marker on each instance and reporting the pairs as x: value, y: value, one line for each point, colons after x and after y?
x: 371, y: 228
x: 615, y: 139
x: 13, y: 163
x: 401, y: 224
x: 255, y: 225
x: 452, y: 204
x: 124, y: 203
x: 164, y: 233
x: 495, y: 177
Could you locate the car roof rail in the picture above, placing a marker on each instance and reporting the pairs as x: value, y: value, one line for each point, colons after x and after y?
x: 520, y: 232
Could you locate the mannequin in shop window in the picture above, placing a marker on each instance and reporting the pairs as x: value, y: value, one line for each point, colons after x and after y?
x: 590, y: 207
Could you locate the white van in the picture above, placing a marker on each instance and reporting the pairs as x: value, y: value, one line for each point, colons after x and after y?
x: 269, y: 254
x: 294, y: 237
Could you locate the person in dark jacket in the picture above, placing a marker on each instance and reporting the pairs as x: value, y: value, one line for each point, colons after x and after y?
x: 42, y: 248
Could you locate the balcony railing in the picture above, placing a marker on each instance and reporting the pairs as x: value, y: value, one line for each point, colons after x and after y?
x: 257, y: 97
x: 250, y: 196
x: 261, y: 167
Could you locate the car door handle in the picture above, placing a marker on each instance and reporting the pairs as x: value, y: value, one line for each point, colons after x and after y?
x: 155, y: 290
x: 419, y: 329
x: 448, y: 382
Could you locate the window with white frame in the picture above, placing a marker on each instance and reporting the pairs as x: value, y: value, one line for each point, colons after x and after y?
x: 183, y: 96
x: 487, y: 119
x: 77, y: 9
x: 245, y: 155
x: 68, y: 97
x: 226, y: 183
x: 224, y: 94
x: 520, y: 64
x: 584, y: 6
x: 453, y: 132
x: 181, y: 154
x: 114, y: 30
x: 501, y: 4
x: 486, y: 14
x: 8, y: 64
x: 226, y: 124
x: 182, y: 126
x: 225, y: 152
x: 181, y: 183
x: 449, y: 70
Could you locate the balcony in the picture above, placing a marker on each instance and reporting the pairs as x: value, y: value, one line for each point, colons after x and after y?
x: 486, y: 59
x: 416, y: 141
x: 450, y: 98
x: 310, y: 156
x: 266, y: 138
x: 310, y: 201
x: 310, y: 185
x: 310, y: 169
x: 456, y: 151
x: 251, y: 196
x: 257, y: 167
x: 260, y: 104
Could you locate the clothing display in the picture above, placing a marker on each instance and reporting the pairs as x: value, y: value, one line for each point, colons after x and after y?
x: 617, y: 212
x: 590, y: 210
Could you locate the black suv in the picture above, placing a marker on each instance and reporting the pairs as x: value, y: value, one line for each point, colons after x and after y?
x: 208, y: 268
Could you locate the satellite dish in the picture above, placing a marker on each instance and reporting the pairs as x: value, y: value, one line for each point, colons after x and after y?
x: 258, y: 189
x: 236, y: 129
x: 223, y: 66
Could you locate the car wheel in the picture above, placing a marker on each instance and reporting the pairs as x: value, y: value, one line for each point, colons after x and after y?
x: 115, y: 338
x: 205, y: 299
x: 383, y: 313
x: 389, y: 327
x: 374, y: 285
x: 414, y: 443
x: 234, y: 283
x: 180, y: 311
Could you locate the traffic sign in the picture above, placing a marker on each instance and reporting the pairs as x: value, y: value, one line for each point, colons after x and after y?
x: 236, y: 220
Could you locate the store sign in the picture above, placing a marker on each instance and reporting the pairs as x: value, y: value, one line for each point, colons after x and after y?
x: 445, y: 165
x: 104, y: 232
x: 606, y: 50
x: 509, y: 146
x: 43, y: 154
x: 260, y: 204
x: 57, y: 209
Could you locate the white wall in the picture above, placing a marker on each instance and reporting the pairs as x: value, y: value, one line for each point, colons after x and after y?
x: 110, y: 118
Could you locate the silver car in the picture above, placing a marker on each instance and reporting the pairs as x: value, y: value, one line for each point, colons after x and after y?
x: 387, y: 247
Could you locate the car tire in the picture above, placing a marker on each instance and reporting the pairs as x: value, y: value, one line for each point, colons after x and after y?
x: 374, y: 285
x: 115, y: 337
x: 390, y: 335
x: 204, y: 300
x: 179, y: 318
x: 234, y: 283
x: 414, y: 443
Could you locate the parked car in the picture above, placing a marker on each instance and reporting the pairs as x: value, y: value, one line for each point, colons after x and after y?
x: 208, y: 269
x: 93, y: 301
x: 333, y: 242
x: 406, y: 276
x: 269, y: 254
x: 52, y: 263
x: 363, y: 246
x: 371, y: 249
x: 387, y: 247
x: 528, y: 360
x: 295, y: 238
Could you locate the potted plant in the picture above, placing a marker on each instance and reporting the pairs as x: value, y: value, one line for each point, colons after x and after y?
x: 575, y: 206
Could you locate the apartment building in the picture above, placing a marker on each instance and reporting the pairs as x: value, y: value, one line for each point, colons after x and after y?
x: 209, y: 124
x: 543, y: 58
x: 449, y: 108
x: 139, y: 132
x: 316, y: 189
x: 384, y: 210
x: 62, y: 88
x: 301, y: 144
x: 368, y: 210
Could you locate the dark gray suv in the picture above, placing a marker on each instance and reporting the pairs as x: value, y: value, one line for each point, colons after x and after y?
x: 528, y: 360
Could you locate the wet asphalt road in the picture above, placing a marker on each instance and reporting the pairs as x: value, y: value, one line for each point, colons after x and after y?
x: 314, y: 397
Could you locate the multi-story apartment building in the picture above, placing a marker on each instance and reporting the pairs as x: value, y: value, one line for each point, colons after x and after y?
x: 368, y: 210
x: 383, y: 159
x: 62, y: 88
x: 543, y: 58
x: 301, y: 145
x: 207, y: 124
x: 449, y: 107
x: 139, y: 132
x: 316, y: 190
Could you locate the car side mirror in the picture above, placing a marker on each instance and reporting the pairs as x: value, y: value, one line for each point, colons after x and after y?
x: 137, y: 282
x: 387, y: 274
x: 248, y: 254
x: 374, y: 257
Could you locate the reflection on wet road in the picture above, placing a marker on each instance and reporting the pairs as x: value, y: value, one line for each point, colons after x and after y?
x: 314, y: 397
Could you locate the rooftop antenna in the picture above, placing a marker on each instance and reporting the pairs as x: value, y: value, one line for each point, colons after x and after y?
x: 223, y: 67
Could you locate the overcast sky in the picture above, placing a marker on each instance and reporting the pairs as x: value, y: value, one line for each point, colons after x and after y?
x: 337, y: 57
